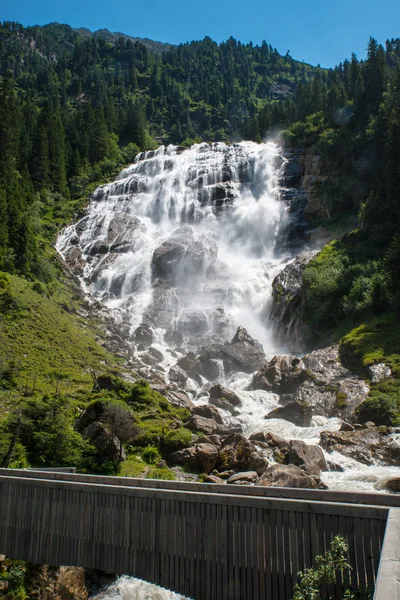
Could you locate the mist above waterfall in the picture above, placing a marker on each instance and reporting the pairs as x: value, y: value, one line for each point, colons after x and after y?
x: 186, y: 241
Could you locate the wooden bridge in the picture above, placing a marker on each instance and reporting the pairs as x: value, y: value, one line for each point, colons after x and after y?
x: 204, y: 541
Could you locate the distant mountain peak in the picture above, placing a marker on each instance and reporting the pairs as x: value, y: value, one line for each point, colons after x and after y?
x: 110, y: 36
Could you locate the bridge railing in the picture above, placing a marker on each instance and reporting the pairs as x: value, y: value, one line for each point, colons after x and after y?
x: 377, y: 499
x: 203, y: 544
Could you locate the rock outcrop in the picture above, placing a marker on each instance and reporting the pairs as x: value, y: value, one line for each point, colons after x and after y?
x: 182, y: 255
x: 286, y: 311
x: 200, y: 458
x: 238, y: 453
x: 318, y: 380
x: 298, y: 413
x: 369, y: 445
x: 288, y: 476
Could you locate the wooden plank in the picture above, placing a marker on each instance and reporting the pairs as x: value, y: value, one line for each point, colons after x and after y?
x: 388, y: 581
x: 274, y: 554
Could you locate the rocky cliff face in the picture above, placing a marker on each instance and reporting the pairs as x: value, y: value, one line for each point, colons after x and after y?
x: 286, y: 311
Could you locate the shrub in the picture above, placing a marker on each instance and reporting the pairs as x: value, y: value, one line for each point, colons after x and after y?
x: 175, y: 439
x: 330, y: 565
x: 151, y: 455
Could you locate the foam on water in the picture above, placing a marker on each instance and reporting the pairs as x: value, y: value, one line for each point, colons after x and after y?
x: 129, y: 588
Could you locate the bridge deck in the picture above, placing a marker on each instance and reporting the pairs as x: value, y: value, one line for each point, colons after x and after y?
x: 204, y: 541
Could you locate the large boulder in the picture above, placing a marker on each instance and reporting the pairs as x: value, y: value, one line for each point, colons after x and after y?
x: 209, y: 412
x: 238, y: 453
x: 144, y: 334
x: 287, y: 476
x: 370, y: 445
x: 201, y: 457
x: 182, y: 256
x: 244, y: 352
x: 200, y: 424
x: 299, y: 413
x: 243, y: 478
x: 224, y: 398
x: 308, y: 457
x: 317, y: 379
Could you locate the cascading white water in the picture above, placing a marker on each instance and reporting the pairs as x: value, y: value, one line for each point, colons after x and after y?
x: 129, y: 588
x: 186, y: 240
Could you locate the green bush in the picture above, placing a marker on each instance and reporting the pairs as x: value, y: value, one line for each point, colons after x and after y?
x: 176, y: 439
x: 329, y: 567
x: 151, y: 455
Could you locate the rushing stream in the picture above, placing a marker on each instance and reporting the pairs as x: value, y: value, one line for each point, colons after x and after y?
x: 188, y: 242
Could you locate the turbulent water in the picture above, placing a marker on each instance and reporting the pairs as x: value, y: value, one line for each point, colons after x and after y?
x: 187, y: 240
x: 129, y: 588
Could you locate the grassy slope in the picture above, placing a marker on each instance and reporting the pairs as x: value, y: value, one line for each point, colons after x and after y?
x: 42, y: 337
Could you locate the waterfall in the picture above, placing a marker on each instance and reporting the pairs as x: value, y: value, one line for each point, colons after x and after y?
x: 186, y: 241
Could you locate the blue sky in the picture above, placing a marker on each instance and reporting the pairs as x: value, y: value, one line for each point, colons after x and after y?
x: 317, y: 31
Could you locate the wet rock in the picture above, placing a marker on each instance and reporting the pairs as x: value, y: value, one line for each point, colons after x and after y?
x: 123, y: 231
x: 287, y: 476
x: 368, y: 446
x: 238, y: 453
x: 144, y: 335
x: 272, y: 440
x: 219, y: 392
x: 246, y: 477
x: 244, y: 351
x: 318, y: 379
x: 200, y: 457
x: 281, y: 375
x: 209, y: 412
x: 159, y: 356
x: 379, y: 372
x: 192, y: 322
x: 299, y: 413
x: 201, y: 424
x: 392, y: 484
x: 98, y: 247
x: 178, y: 375
x: 74, y: 259
x: 334, y: 467
x: 308, y: 457
x: 205, y: 365
x: 182, y: 256
x: 173, y: 337
x: 286, y: 314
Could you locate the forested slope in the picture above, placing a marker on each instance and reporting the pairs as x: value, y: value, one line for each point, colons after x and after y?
x: 74, y: 108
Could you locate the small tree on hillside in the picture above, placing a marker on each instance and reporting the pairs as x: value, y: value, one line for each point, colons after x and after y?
x: 121, y: 424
